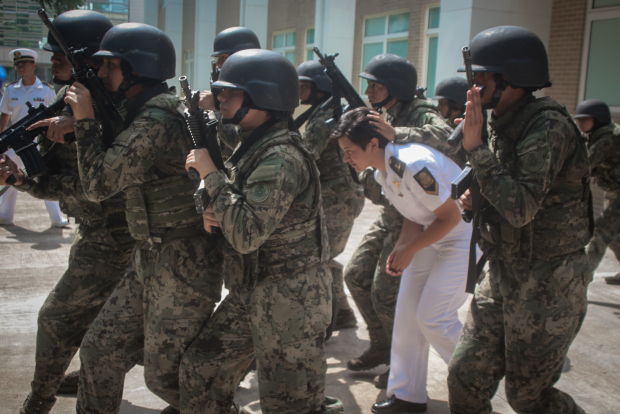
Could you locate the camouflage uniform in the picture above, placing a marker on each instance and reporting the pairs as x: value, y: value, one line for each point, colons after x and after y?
x: 171, y: 290
x: 528, y: 308
x: 373, y: 290
x: 279, y: 302
x: 99, y: 255
x: 343, y: 199
x: 604, y: 148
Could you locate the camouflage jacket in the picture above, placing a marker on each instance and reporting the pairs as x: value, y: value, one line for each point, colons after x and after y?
x: 604, y: 149
x: 62, y: 182
x: 331, y: 165
x: 420, y: 122
x: 270, y: 209
x: 535, y: 175
x: 150, y: 152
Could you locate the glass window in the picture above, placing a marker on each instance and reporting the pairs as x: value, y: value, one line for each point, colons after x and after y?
x: 398, y: 47
x: 284, y: 44
x: 290, y: 56
x: 375, y: 26
x: 602, y: 81
x: 398, y: 23
x: 433, y: 18
x: 278, y: 41
x: 432, y: 65
x: 310, y: 54
x: 309, y: 36
x: 596, y: 4
x: 290, y: 39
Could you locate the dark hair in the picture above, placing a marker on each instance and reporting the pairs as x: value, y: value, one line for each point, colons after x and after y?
x: 357, y: 127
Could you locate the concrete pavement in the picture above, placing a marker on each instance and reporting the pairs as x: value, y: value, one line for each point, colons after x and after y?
x: 35, y: 256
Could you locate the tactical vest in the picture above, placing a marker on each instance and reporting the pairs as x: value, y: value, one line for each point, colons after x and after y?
x: 410, y: 113
x: 607, y: 173
x: 554, y: 231
x: 288, y: 249
x: 158, y: 208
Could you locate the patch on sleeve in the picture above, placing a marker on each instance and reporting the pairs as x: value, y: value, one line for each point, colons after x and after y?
x: 427, y: 181
x: 532, y: 161
x: 259, y: 192
x: 398, y: 166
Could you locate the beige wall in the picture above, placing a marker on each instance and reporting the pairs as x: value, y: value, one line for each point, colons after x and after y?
x: 291, y: 14
x: 227, y: 14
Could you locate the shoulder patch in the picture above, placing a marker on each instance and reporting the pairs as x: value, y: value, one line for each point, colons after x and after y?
x: 49, y: 85
x: 397, y: 166
x: 427, y: 181
x: 12, y: 83
x: 259, y: 192
x: 532, y: 161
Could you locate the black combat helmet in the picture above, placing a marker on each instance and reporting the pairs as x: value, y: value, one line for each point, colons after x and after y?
x: 267, y: 78
x: 80, y: 29
x: 454, y: 89
x: 396, y: 73
x: 234, y: 39
x: 594, y: 108
x: 314, y: 72
x: 148, y: 50
x: 515, y: 52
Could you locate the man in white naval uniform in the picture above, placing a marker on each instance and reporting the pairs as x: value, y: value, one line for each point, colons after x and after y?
x: 431, y: 253
x: 13, y: 107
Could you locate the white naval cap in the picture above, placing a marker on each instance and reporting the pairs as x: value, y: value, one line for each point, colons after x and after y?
x: 23, y: 55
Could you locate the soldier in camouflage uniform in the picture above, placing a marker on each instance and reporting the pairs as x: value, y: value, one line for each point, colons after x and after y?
x: 102, y: 245
x: 451, y: 94
x: 535, y: 178
x: 276, y: 252
x: 391, y: 85
x: 343, y: 199
x: 594, y: 119
x: 164, y: 299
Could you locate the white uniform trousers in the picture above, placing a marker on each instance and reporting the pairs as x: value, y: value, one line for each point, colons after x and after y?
x: 9, y: 198
x: 432, y: 289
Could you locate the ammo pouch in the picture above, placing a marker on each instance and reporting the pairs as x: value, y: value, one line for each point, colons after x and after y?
x: 153, y: 209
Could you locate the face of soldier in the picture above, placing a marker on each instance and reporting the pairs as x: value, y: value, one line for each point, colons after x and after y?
x: 443, y: 106
x: 221, y: 59
x: 585, y: 124
x: 111, y: 74
x: 485, y: 79
x: 376, y: 92
x: 305, y: 89
x: 61, y: 68
x: 25, y: 69
x: 359, y: 158
x: 230, y: 102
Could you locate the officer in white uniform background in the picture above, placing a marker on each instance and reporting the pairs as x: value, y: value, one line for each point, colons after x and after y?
x: 13, y: 107
x: 431, y: 253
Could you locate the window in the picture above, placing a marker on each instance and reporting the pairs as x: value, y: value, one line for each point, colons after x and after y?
x: 429, y: 68
x: 310, y: 55
x: 384, y: 34
x: 284, y: 44
x: 189, y: 66
x: 599, y: 78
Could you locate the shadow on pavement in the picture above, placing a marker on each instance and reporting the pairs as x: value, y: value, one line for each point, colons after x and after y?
x: 49, y: 239
x: 128, y: 408
x: 606, y: 304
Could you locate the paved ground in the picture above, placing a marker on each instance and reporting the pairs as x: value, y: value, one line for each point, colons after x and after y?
x: 35, y: 256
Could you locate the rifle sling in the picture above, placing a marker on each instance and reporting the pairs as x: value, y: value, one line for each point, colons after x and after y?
x: 474, y: 269
x: 249, y: 142
x: 301, y: 119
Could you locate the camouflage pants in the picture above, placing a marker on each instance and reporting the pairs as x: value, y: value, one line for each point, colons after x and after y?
x: 155, y: 312
x: 522, y: 320
x: 606, y: 233
x: 373, y: 290
x: 97, y: 262
x: 341, y: 206
x: 281, y: 323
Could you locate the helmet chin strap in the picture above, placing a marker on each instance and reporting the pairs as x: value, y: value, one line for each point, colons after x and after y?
x: 62, y: 82
x: 377, y: 106
x: 312, y: 97
x: 241, y: 112
x: 500, y: 86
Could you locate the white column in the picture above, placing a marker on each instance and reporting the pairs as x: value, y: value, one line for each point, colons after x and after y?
x: 253, y: 15
x: 461, y: 20
x: 174, y: 29
x: 204, y: 32
x: 334, y: 30
x: 136, y: 11
x: 151, y: 11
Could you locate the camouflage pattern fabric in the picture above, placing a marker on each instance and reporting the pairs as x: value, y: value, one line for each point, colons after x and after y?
x: 530, y: 305
x: 279, y: 304
x: 604, y: 150
x: 343, y: 199
x: 99, y: 256
x: 374, y: 291
x: 160, y: 306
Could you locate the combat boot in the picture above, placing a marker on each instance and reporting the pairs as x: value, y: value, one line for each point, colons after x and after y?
x: 377, y: 354
x: 381, y: 381
x: 37, y: 405
x: 69, y: 384
x: 613, y: 280
x: 345, y: 319
x: 169, y: 410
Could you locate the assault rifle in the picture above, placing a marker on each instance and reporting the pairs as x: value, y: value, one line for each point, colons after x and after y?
x: 24, y: 143
x: 107, y: 112
x: 215, y: 75
x: 204, y: 135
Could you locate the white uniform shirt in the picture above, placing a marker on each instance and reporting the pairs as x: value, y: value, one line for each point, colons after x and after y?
x: 417, y: 180
x: 16, y: 95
